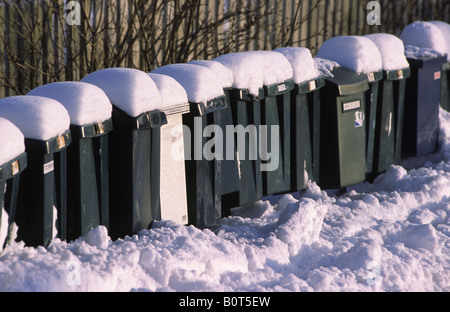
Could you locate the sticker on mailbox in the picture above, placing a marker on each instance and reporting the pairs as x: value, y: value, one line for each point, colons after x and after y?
x: 359, y: 119
x: 351, y: 105
x: 49, y: 167
x: 437, y: 75
x: 282, y: 88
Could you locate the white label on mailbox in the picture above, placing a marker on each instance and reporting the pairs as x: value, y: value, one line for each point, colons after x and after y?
x: 282, y: 87
x: 352, y: 105
x: 437, y: 75
x: 312, y: 85
x: 49, y: 167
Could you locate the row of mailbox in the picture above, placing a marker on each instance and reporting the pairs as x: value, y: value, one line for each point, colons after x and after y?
x: 336, y: 131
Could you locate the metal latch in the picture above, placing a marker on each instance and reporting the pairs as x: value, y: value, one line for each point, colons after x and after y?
x: 99, y: 128
x: 15, y: 168
x: 60, y: 141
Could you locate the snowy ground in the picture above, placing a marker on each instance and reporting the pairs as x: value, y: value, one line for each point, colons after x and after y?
x: 392, y: 235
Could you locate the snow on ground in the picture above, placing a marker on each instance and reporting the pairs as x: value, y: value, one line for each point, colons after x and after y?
x: 392, y: 235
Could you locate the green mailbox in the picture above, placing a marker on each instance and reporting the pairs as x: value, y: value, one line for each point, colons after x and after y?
x: 87, y: 157
x: 445, y: 76
x: 304, y: 117
x: 426, y: 47
x: 391, y: 102
x: 45, y: 124
x: 362, y: 56
x: 260, y: 102
x: 445, y: 87
x: 13, y: 160
x: 423, y: 94
x: 229, y: 165
x: 343, y: 129
x: 276, y: 112
x: 389, y: 134
x: 134, y: 146
x: 246, y: 112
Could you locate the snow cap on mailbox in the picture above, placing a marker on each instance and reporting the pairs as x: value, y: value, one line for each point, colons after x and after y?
x: 224, y: 74
x: 85, y: 102
x: 37, y: 117
x: 391, y: 49
x: 356, y: 53
x: 12, y: 141
x: 171, y: 91
x: 200, y: 82
x: 302, y: 62
x: 425, y: 35
x: 130, y: 90
x: 445, y: 29
x: 253, y: 70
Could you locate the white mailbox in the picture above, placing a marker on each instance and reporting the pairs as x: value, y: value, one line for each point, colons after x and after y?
x: 173, y: 173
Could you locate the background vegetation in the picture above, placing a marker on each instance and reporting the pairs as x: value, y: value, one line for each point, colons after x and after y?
x: 38, y: 46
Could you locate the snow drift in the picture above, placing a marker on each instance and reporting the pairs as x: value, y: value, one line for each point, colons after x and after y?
x: 391, y: 235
